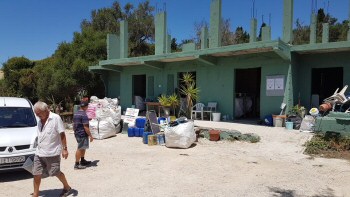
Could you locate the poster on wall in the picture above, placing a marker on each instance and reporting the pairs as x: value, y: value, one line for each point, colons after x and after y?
x: 275, y: 85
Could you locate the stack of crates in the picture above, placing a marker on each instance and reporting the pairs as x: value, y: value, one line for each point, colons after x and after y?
x: 139, y: 128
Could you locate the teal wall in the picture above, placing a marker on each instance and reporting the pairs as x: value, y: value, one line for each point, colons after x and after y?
x: 216, y: 83
x: 113, y: 84
x: 324, y: 60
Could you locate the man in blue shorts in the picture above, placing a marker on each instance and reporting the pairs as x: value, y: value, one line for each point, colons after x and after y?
x: 82, y: 134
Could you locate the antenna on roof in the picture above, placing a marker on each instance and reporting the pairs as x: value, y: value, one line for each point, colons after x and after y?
x: 328, y: 7
x: 253, y: 11
x: 164, y: 6
x: 270, y: 19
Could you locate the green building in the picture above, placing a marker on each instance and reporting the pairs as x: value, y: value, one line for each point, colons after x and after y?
x: 261, y: 74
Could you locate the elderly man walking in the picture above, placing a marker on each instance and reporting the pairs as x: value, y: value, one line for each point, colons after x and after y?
x: 51, y: 144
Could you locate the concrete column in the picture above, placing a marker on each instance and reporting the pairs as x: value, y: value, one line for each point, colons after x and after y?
x: 253, y: 26
x: 204, y: 38
x: 160, y: 33
x: 325, y: 33
x: 288, y: 91
x: 215, y: 24
x: 288, y: 21
x: 113, y: 46
x: 313, y: 26
x: 266, y: 33
x: 168, y: 44
x: 124, y: 39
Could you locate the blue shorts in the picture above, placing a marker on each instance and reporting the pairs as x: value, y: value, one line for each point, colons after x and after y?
x: 83, y: 142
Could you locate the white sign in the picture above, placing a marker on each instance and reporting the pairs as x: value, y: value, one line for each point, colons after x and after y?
x: 275, y: 85
x: 270, y: 84
x: 131, y: 115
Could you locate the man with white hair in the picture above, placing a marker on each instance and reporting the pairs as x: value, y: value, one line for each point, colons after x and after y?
x: 51, y: 144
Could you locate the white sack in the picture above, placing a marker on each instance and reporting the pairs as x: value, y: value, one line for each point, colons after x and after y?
x: 180, y: 136
x: 307, y: 124
x: 101, y: 129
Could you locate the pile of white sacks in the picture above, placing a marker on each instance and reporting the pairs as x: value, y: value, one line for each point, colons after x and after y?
x: 105, y: 116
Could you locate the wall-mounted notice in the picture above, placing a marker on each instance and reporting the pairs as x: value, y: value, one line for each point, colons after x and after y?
x: 275, y: 85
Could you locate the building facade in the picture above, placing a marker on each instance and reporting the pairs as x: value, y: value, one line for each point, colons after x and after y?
x: 248, y: 80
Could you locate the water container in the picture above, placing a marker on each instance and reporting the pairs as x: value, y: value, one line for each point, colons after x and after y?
x: 289, y: 125
x: 140, y: 122
x: 268, y: 120
x: 278, y: 121
x: 161, y: 118
x: 131, y: 132
x: 145, y: 137
x: 141, y: 131
x: 136, y: 132
x: 161, y: 138
x: 216, y: 117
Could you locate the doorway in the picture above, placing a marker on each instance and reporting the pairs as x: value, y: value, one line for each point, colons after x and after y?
x: 325, y: 81
x: 247, y: 93
x: 139, y: 91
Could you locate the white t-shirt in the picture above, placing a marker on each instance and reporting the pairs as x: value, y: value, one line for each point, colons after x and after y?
x: 49, y: 139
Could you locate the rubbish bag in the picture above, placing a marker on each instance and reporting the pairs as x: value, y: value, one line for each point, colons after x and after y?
x: 180, y: 136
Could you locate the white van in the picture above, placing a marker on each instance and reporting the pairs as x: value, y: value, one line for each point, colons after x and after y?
x: 18, y: 132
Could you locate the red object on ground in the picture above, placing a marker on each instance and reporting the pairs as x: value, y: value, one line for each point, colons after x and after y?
x: 214, y: 135
x: 325, y: 107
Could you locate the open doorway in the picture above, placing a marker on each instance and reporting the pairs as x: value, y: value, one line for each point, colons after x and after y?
x: 325, y: 81
x: 139, y: 91
x: 247, y: 93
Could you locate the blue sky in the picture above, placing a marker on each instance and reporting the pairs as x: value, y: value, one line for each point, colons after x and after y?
x: 34, y: 28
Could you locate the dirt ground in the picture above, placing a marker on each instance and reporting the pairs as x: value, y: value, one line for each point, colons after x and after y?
x: 122, y: 166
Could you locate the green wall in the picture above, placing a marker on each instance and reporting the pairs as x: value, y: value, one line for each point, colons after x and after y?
x: 216, y: 83
x: 323, y: 60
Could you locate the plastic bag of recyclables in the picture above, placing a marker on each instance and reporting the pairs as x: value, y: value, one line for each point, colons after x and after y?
x: 105, y: 117
x: 180, y: 136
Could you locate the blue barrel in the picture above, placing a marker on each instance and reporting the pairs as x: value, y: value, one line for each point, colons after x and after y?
x: 268, y: 120
x: 141, y: 131
x: 145, y: 137
x: 131, y: 132
x: 161, y: 118
x: 136, y: 132
x: 140, y: 122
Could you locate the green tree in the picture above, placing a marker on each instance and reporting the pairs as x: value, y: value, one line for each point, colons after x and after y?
x: 301, y: 33
x: 240, y: 36
x: 337, y: 31
x: 16, y: 74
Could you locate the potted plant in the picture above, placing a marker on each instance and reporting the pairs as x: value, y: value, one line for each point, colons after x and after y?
x: 168, y: 102
x: 190, y: 90
x: 298, y: 111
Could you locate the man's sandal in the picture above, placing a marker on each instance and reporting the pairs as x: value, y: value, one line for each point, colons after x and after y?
x: 65, y: 192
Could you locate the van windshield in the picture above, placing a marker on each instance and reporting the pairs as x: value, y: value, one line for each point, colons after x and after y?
x: 12, y: 117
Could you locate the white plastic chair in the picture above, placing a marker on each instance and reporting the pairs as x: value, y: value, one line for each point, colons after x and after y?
x: 212, y: 106
x: 197, y: 108
x: 337, y: 97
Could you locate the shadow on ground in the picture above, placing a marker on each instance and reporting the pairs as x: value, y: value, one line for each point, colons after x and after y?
x: 56, y: 192
x: 15, y: 176
x: 291, y: 193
